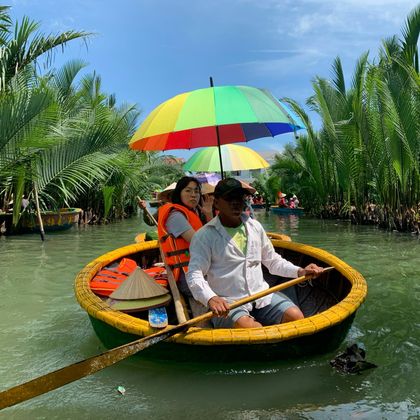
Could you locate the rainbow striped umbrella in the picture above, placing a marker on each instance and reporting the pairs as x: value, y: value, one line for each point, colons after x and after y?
x: 234, y: 158
x: 214, y: 116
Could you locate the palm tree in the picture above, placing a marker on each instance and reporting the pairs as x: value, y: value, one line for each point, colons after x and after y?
x: 25, y: 110
x: 369, y: 145
x: 21, y: 45
x: 66, y: 137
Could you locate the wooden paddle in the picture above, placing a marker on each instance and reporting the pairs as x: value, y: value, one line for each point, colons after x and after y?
x: 180, y: 311
x: 38, y: 213
x: 63, y: 376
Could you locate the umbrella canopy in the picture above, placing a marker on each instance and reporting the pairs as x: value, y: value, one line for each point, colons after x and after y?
x: 292, y: 114
x: 213, y: 116
x: 234, y: 157
x: 211, y: 178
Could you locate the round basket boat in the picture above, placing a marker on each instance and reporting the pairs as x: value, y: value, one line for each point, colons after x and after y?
x: 329, y: 304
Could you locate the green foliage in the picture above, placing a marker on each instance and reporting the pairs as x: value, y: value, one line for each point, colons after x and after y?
x: 368, y: 148
x: 62, y: 132
x: 264, y: 186
x: 273, y: 186
x: 107, y: 192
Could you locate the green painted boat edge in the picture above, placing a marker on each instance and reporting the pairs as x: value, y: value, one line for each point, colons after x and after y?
x: 286, y: 210
x: 318, y: 343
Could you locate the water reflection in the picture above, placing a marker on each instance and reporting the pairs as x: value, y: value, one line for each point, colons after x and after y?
x: 281, y: 223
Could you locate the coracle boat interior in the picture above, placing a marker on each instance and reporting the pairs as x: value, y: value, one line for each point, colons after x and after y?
x: 329, y: 304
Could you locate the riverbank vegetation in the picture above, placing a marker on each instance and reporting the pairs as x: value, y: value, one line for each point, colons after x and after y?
x: 62, y: 136
x: 363, y: 164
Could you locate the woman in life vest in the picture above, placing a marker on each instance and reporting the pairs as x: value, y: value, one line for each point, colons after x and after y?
x: 178, y: 221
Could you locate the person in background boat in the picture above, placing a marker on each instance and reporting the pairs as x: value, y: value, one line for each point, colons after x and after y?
x: 295, y: 201
x: 178, y: 221
x: 164, y: 198
x: 258, y: 199
x: 281, y: 199
x: 291, y: 203
x: 225, y: 265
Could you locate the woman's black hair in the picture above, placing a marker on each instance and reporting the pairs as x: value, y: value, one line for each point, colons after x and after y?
x: 180, y: 185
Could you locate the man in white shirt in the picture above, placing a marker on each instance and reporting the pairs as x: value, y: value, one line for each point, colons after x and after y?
x: 225, y: 265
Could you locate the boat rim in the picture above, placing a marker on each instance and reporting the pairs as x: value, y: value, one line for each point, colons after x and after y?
x: 99, y: 309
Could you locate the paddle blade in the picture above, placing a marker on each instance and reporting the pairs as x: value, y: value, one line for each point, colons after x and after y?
x: 68, y: 374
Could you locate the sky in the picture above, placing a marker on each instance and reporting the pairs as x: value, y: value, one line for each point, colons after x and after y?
x: 147, y: 51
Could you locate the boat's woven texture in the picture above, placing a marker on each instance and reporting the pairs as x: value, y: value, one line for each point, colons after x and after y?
x: 279, y: 236
x: 197, y: 336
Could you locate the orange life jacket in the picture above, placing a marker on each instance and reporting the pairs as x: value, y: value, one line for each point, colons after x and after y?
x: 176, y: 250
x: 109, y: 279
x: 159, y: 274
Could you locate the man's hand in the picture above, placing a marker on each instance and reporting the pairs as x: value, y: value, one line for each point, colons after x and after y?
x: 218, y: 306
x: 310, y: 269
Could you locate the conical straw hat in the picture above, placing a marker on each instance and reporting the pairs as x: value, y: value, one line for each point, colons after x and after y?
x: 138, y: 285
x: 137, y: 305
x: 164, y: 195
x: 207, y: 188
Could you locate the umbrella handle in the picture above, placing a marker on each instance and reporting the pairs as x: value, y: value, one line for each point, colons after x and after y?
x: 218, y: 135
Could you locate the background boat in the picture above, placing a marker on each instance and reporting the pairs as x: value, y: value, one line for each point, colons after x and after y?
x: 258, y: 206
x: 329, y: 304
x: 287, y: 210
x: 62, y: 219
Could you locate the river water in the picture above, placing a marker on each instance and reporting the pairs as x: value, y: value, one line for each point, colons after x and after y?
x: 43, y: 328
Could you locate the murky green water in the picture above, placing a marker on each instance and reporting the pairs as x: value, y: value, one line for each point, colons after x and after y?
x: 43, y: 328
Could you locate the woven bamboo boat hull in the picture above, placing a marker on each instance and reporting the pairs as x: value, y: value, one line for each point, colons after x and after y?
x: 52, y: 221
x: 329, y: 305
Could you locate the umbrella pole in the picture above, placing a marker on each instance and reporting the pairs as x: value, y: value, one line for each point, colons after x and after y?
x: 217, y: 135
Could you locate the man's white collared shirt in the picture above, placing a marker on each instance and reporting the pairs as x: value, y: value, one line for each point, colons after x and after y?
x: 218, y: 268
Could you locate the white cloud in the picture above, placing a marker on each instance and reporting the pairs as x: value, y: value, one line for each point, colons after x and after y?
x: 289, y: 62
x: 351, y: 16
x: 61, y: 25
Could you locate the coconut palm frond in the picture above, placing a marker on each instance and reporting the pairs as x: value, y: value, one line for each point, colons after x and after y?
x: 338, y: 76
x: 411, y: 32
